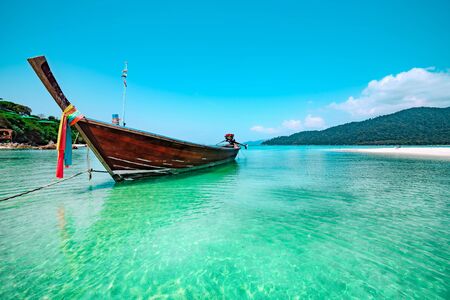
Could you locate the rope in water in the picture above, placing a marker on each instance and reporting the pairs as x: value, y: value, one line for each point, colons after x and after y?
x: 49, y: 185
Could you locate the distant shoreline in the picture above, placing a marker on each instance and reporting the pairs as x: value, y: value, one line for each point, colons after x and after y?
x: 21, y: 146
x: 435, y: 152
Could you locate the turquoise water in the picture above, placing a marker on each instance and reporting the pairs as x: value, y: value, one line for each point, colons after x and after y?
x: 282, y: 222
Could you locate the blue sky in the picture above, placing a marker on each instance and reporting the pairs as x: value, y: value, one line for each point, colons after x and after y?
x: 198, y: 69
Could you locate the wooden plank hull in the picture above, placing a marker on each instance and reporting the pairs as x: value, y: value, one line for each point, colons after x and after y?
x: 134, y: 154
x: 128, y: 153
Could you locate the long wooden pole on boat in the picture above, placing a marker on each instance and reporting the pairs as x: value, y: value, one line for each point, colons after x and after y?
x: 42, y: 69
x: 124, y: 94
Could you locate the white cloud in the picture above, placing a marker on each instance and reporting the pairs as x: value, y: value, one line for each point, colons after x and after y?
x: 292, y: 124
x: 314, y: 122
x: 262, y: 129
x: 416, y: 87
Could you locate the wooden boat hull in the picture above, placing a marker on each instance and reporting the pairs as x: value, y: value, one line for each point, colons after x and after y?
x: 134, y: 154
x: 128, y: 153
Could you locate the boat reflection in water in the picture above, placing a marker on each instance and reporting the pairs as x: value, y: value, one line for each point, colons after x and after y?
x: 146, y: 236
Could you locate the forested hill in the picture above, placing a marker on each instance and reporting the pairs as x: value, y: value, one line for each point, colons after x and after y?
x: 28, y: 128
x: 414, y: 126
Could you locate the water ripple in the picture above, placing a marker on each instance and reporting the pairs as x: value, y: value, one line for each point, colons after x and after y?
x: 284, y: 222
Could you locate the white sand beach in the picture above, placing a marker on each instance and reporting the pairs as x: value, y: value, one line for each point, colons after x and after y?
x: 437, y: 152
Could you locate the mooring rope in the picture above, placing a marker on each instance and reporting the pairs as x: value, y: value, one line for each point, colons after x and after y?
x: 49, y: 185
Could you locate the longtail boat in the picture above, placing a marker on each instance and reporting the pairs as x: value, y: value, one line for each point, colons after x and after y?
x: 129, y: 153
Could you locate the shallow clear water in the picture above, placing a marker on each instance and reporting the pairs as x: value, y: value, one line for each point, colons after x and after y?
x: 281, y: 222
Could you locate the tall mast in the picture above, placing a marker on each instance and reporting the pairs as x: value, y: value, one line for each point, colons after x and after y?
x: 124, y: 94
